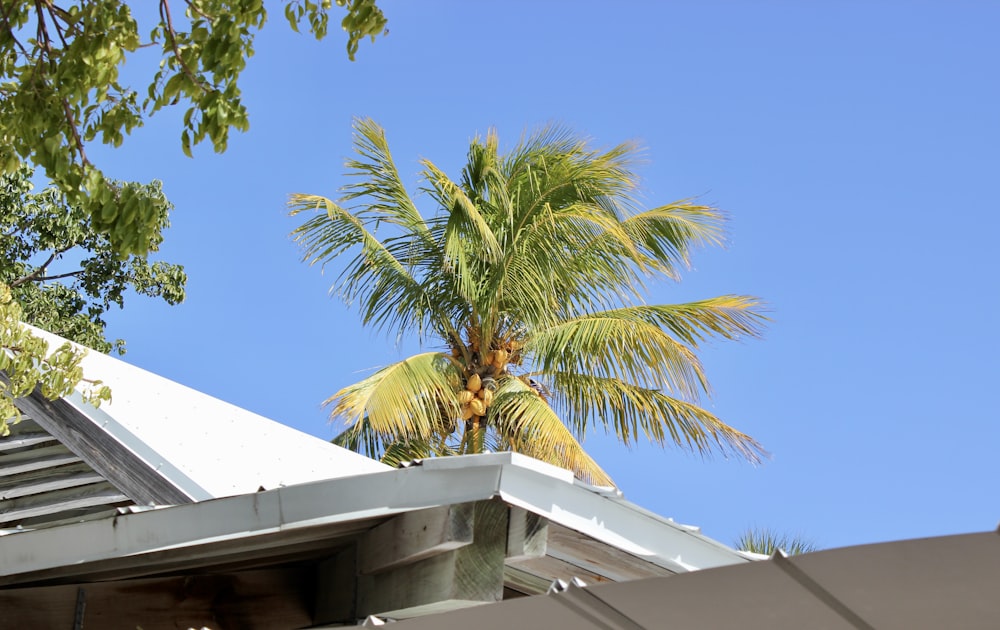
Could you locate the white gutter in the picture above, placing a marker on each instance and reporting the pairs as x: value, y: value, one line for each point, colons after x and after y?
x: 192, y: 530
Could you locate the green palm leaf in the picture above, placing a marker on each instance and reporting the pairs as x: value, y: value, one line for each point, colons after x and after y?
x: 410, y: 400
x: 727, y: 316
x: 661, y: 239
x: 394, y: 452
x: 767, y: 542
x: 630, y: 410
x: 390, y: 295
x: 619, y: 344
x: 377, y: 183
x: 530, y: 426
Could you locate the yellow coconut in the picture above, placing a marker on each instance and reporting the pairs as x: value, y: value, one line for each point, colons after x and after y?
x: 474, y: 383
x: 500, y: 358
x: 466, y: 412
x: 489, y: 358
x: 486, y: 396
x: 477, y: 407
x: 465, y: 397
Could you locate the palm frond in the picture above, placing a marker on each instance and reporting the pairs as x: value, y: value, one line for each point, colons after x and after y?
x: 481, y: 173
x: 389, y: 294
x: 378, y: 184
x: 766, y: 542
x: 467, y: 243
x: 666, y: 235
x: 361, y: 439
x: 619, y: 344
x: 728, y: 316
x: 402, y: 451
x: 548, y: 258
x: 530, y: 426
x: 629, y: 411
x: 553, y: 163
x: 409, y: 400
x: 394, y: 452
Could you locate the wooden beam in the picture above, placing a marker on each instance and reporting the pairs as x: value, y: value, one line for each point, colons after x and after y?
x: 468, y: 575
x: 50, y: 483
x: 14, y: 442
x: 527, y: 534
x: 274, y: 599
x: 9, y: 482
x: 36, y: 459
x: 593, y: 556
x: 524, y: 582
x: 413, y: 536
x: 119, y: 465
x: 60, y: 501
x: 528, y: 575
x: 337, y: 588
x: 570, y: 554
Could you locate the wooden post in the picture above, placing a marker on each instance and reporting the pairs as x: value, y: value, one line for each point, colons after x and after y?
x: 527, y: 535
x: 428, y: 563
x: 336, y: 588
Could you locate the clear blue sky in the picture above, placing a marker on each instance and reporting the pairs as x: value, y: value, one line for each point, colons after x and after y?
x: 854, y: 145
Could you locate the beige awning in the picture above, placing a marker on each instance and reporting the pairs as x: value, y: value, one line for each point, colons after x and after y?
x: 946, y: 582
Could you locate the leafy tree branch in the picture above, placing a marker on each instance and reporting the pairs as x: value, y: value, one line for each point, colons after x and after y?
x: 63, y: 274
x: 60, y: 88
x: 27, y: 364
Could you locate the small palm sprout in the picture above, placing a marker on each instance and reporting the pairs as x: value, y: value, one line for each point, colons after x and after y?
x: 529, y: 279
x: 766, y: 542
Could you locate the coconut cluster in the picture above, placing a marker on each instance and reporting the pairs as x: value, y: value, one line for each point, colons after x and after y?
x: 481, y: 383
x: 474, y: 398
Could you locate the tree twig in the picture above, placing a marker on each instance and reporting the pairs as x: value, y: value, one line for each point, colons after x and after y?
x: 42, y: 31
x: 34, y: 275
x: 69, y: 274
x: 194, y: 7
x: 38, y: 273
x: 55, y: 22
x: 76, y: 132
x: 5, y: 16
x: 166, y: 17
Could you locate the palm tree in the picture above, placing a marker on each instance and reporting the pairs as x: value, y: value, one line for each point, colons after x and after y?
x: 529, y: 278
x: 766, y: 541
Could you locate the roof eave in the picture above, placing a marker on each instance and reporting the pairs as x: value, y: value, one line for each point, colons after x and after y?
x: 199, y: 530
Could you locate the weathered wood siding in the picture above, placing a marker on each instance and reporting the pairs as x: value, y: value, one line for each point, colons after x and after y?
x: 43, y: 483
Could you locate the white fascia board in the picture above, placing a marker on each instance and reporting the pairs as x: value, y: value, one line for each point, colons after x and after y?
x: 598, y: 512
x: 616, y: 522
x: 444, y: 481
x: 464, y: 462
x: 206, y: 446
x: 245, y: 517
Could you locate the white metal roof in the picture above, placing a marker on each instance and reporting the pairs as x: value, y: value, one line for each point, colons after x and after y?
x: 205, y: 446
